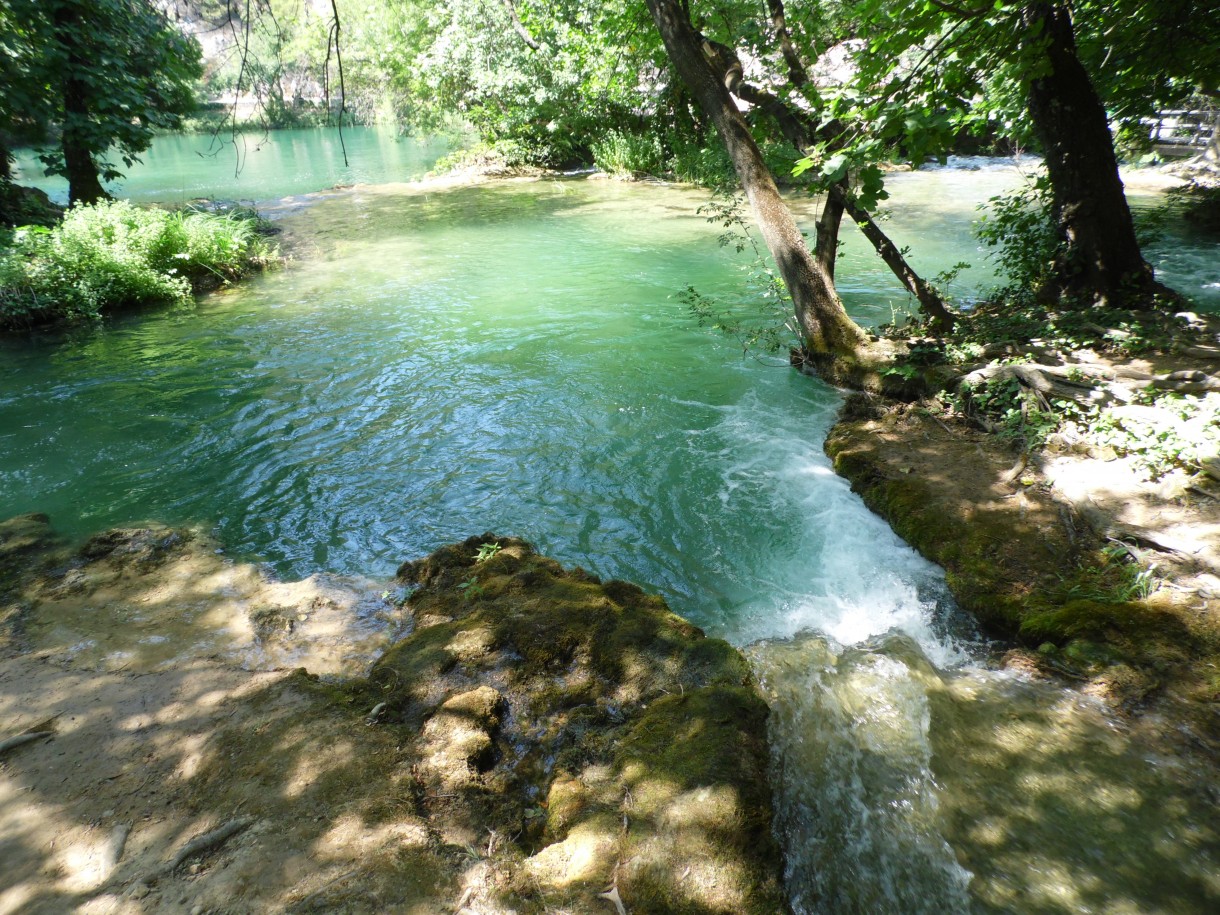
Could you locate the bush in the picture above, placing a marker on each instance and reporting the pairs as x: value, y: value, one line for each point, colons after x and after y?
x: 112, y: 254
x: 629, y: 154
x: 1026, y: 245
x: 707, y: 165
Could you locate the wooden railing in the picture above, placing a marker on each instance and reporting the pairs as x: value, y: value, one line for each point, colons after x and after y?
x: 1184, y: 132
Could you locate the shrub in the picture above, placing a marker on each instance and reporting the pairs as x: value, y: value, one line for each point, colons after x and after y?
x: 629, y: 154
x: 1026, y: 245
x: 112, y: 254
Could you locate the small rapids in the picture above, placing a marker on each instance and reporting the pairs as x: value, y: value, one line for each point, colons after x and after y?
x: 858, y: 809
x: 906, y: 787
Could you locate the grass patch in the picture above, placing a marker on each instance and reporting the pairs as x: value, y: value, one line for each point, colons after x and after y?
x: 111, y: 255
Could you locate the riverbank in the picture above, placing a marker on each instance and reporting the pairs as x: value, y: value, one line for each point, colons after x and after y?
x: 1095, y: 548
x: 529, y: 738
x: 109, y: 256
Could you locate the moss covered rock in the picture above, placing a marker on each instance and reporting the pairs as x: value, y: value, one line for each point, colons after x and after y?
x: 607, y: 740
x: 538, y: 740
x: 1014, y: 555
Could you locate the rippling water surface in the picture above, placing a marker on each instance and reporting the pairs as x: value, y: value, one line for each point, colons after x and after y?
x: 514, y: 357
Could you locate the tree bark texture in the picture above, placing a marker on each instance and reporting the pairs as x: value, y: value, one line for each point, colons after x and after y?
x: 1104, y: 263
x: 84, y: 184
x: 823, y: 324
x: 779, y: 24
x: 829, y: 223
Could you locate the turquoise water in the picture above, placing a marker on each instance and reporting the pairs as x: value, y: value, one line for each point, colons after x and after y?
x: 515, y: 357
x: 510, y: 357
x: 938, y: 204
x: 256, y: 165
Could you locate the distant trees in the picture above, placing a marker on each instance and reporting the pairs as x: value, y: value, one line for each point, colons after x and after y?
x: 98, y: 76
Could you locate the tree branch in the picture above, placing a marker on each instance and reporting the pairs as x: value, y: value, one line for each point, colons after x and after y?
x: 333, y: 42
x: 930, y: 302
x: 798, y: 130
x: 519, y: 26
x: 797, y: 75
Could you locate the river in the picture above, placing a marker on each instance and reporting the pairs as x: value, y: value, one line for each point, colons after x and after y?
x: 516, y: 357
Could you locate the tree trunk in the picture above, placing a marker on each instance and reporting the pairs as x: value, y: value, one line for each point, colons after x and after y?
x: 1211, y: 152
x: 823, y: 325
x: 796, y: 67
x: 799, y: 129
x: 84, y: 184
x: 1104, y: 264
x: 827, y: 247
x: 930, y: 302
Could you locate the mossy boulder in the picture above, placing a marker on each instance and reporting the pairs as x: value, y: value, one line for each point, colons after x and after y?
x: 606, y: 739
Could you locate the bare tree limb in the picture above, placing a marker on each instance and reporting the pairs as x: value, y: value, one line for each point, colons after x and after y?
x: 333, y: 42
x: 519, y: 26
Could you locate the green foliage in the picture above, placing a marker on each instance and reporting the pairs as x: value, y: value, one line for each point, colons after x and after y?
x: 702, y: 164
x: 1021, y: 322
x: 111, y: 254
x: 1010, y: 410
x: 1024, y: 242
x: 487, y: 551
x: 629, y: 154
x: 760, y: 317
x: 103, y: 74
x: 471, y: 589
x: 1115, y: 578
x: 1180, y: 435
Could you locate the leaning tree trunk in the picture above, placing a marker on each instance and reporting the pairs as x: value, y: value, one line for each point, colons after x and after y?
x: 930, y: 302
x: 1104, y: 264
x: 823, y: 324
x: 799, y: 129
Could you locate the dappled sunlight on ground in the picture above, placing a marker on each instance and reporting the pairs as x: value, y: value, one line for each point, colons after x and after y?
x: 180, y: 784
x: 1055, y: 805
x: 199, y: 604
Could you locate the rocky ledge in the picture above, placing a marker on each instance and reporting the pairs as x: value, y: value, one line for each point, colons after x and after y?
x: 535, y: 740
x: 1049, y: 566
